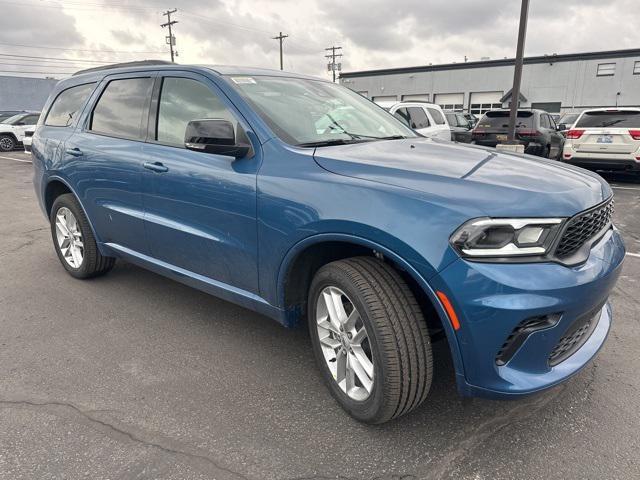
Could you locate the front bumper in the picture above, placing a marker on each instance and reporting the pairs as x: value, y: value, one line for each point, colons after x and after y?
x: 492, y: 300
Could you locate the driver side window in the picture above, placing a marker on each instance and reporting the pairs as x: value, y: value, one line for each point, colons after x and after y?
x: 183, y: 100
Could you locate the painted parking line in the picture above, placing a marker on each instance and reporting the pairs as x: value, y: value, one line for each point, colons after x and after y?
x: 16, y: 159
x: 637, y: 255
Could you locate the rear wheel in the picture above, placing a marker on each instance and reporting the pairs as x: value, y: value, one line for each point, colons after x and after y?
x: 74, y: 241
x: 370, y: 339
x: 7, y: 143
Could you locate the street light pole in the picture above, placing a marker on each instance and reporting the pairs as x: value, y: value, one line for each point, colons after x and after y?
x: 517, y: 75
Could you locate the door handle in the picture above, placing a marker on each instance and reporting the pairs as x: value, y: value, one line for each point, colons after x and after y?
x: 155, y: 167
x: 74, y: 152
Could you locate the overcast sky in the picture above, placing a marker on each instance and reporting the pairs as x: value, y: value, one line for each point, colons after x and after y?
x: 373, y: 33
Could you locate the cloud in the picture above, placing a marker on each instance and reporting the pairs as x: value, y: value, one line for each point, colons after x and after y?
x: 373, y: 33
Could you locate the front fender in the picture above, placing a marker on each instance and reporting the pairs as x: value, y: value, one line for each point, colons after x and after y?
x: 405, y: 265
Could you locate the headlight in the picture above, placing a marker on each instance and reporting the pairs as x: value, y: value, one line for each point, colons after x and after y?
x: 506, y: 237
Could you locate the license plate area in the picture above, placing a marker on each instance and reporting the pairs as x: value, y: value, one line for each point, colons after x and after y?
x: 605, y: 139
x: 501, y: 138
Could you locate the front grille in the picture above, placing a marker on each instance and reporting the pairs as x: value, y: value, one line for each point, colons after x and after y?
x: 582, y: 228
x: 576, y: 336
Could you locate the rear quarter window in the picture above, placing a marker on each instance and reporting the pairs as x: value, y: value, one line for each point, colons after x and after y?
x: 66, y: 107
x: 437, y: 116
x: 603, y: 119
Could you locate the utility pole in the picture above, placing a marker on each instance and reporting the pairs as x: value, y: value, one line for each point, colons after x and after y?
x: 517, y: 75
x: 171, y: 39
x: 333, y: 66
x: 280, y: 37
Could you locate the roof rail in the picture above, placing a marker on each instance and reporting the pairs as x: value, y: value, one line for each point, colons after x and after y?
x: 137, y: 63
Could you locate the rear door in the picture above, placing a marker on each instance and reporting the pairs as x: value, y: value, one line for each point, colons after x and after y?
x: 200, y: 207
x: 607, y: 131
x: 105, y: 157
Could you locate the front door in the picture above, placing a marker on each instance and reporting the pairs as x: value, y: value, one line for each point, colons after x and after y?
x: 200, y: 207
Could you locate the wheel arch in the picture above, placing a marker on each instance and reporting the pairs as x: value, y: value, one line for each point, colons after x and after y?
x: 308, y: 255
x: 56, y: 186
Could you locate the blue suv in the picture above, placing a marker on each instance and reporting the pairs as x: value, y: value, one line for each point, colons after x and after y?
x: 304, y: 201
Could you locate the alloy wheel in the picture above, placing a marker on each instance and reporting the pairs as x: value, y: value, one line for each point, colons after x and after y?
x: 6, y: 144
x: 69, y: 238
x: 345, y: 343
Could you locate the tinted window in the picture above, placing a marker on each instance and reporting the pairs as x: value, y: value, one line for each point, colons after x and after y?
x: 544, y: 121
x: 403, y: 115
x: 181, y: 101
x: 30, y: 119
x: 121, y: 109
x: 418, y: 118
x: 67, y: 106
x: 568, y: 118
x: 620, y: 119
x: 451, y: 118
x: 500, y: 120
x: 436, y: 115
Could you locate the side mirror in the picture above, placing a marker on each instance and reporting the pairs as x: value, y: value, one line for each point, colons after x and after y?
x: 562, y: 127
x: 214, y: 136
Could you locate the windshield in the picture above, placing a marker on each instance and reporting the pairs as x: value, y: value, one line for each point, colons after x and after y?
x: 604, y: 119
x: 13, y: 118
x: 568, y: 118
x: 314, y: 113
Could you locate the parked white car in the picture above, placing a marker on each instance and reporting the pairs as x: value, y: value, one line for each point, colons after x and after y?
x: 605, y: 138
x: 427, y: 119
x: 12, y: 130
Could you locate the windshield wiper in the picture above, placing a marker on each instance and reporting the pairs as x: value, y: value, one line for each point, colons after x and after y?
x: 328, y: 143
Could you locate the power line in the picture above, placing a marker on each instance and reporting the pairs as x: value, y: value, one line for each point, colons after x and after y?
x: 35, y: 65
x: 76, y: 49
x: 53, y: 58
x: 171, y: 40
x: 333, y: 66
x: 30, y: 71
x: 280, y: 37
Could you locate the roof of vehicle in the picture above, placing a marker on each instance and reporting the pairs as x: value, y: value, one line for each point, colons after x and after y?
x: 506, y: 110
x: 219, y: 69
x: 411, y: 103
x: 612, y: 109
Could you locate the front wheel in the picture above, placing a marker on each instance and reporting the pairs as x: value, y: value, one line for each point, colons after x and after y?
x: 370, y: 339
x: 7, y: 143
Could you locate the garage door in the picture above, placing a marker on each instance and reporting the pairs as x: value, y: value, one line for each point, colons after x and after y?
x: 385, y: 99
x: 418, y: 97
x: 450, y: 101
x: 483, y: 101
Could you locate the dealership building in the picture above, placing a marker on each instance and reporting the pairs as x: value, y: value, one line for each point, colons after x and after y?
x: 555, y: 83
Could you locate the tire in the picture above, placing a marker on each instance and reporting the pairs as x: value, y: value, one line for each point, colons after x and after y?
x: 7, y: 143
x: 398, y: 341
x: 545, y: 151
x: 91, y: 263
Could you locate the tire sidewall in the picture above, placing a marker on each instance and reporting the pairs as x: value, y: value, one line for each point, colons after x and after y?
x: 65, y: 202
x: 366, y: 410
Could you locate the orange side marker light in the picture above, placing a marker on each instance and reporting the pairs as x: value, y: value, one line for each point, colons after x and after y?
x: 453, y: 318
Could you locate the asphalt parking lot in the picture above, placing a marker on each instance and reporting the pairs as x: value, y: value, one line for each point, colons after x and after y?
x: 133, y: 376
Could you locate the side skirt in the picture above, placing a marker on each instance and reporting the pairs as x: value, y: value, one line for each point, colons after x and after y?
x: 208, y: 285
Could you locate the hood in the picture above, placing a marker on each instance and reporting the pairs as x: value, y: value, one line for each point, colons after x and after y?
x: 494, y: 183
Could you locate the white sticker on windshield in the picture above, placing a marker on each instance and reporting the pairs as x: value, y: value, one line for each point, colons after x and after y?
x: 243, y: 80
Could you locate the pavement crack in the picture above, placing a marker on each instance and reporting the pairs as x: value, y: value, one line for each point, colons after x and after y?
x: 205, y: 462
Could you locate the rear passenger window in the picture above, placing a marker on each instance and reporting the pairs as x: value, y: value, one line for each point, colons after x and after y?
x: 66, y: 107
x: 121, y: 110
x: 544, y: 121
x: 183, y: 100
x: 419, y: 119
x: 436, y: 115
